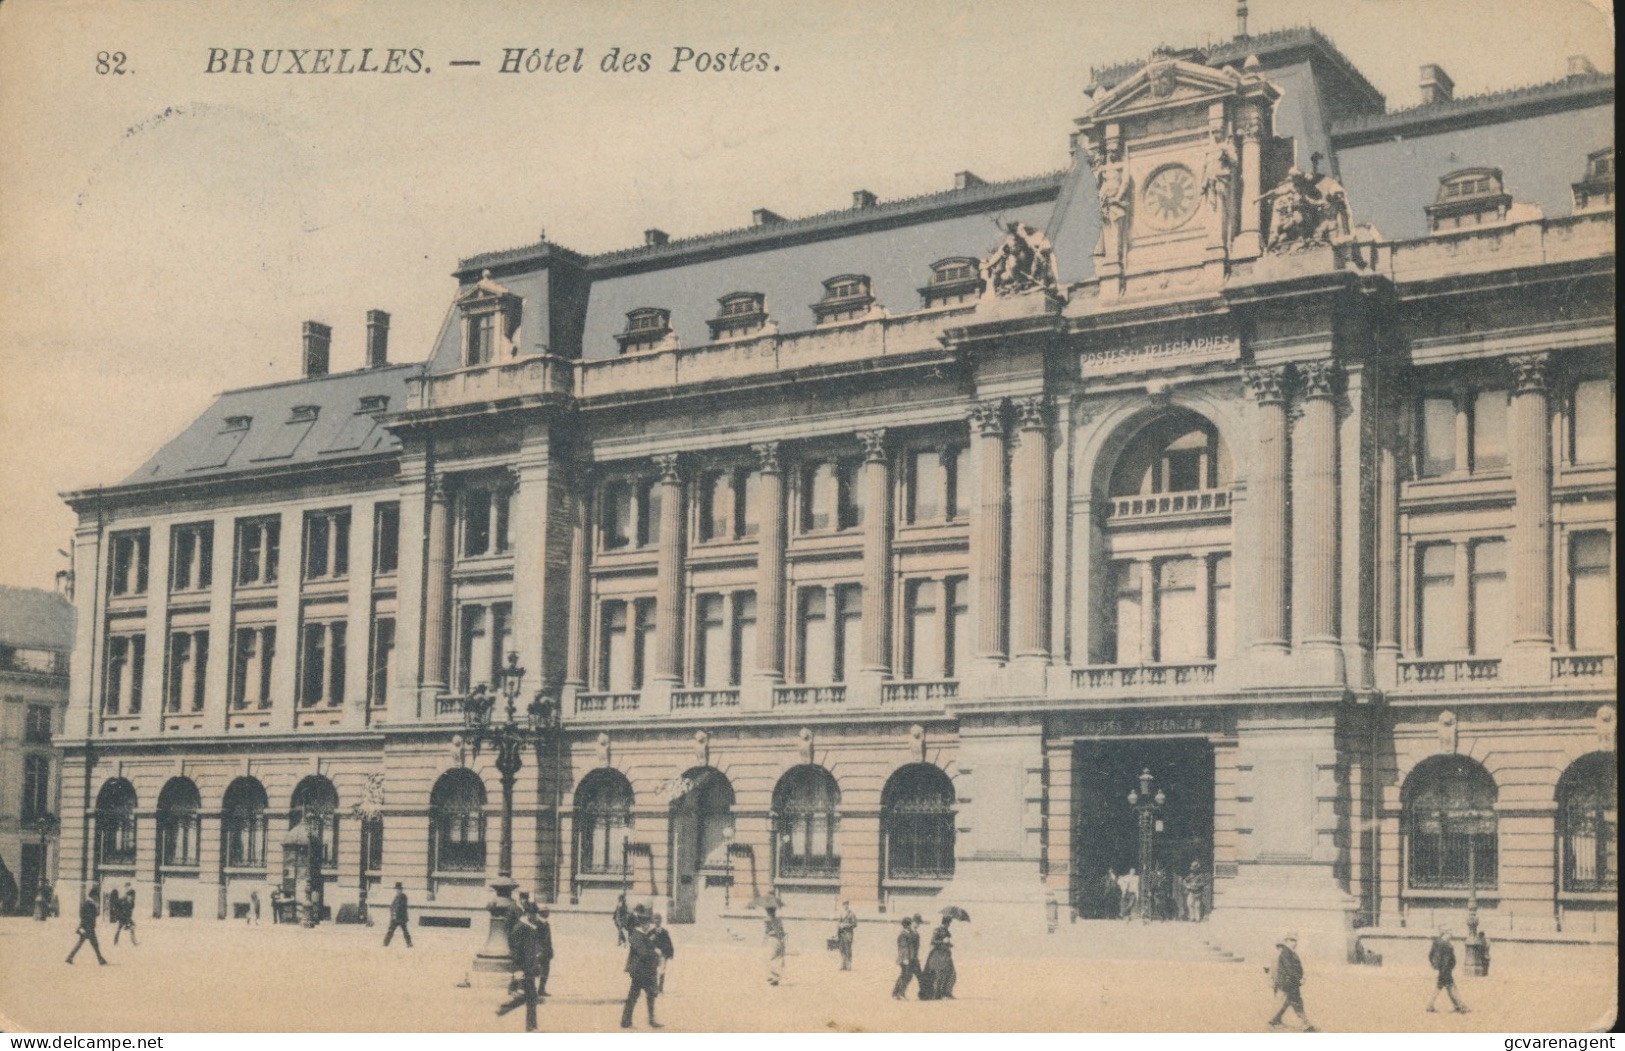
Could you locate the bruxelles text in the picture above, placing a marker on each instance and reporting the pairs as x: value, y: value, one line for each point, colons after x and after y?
x: 339, y: 60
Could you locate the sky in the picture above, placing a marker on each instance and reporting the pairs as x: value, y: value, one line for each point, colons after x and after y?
x: 164, y: 230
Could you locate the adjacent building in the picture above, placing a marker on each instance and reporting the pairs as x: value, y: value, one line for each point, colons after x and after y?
x: 874, y: 555
x: 36, y: 636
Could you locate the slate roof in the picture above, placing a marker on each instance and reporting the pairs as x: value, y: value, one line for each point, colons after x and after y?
x: 32, y: 619
x: 304, y: 421
x: 1528, y: 100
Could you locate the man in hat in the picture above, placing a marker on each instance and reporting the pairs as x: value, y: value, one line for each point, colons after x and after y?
x: 126, y: 914
x: 544, y: 949
x: 908, y: 958
x: 660, y: 938
x: 397, y: 917
x: 1194, y: 884
x: 1288, y: 983
x: 1442, y: 958
x: 525, y: 947
x: 846, y: 929
x: 88, y: 914
x: 774, y: 936
x: 643, y: 964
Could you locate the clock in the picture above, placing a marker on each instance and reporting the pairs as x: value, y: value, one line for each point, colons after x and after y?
x: 1171, y: 197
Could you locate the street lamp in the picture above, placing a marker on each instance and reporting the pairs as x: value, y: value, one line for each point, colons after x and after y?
x: 46, y: 824
x: 510, y: 738
x: 1147, y: 806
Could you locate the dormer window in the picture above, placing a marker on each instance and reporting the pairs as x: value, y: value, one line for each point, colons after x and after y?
x: 490, y: 315
x: 645, y: 327
x: 845, y: 298
x: 1596, y: 191
x: 957, y: 279
x: 739, y: 314
x: 1471, y: 197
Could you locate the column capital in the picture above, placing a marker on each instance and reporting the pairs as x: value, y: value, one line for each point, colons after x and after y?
x: 988, y: 417
x: 670, y: 466
x: 1250, y: 124
x: 1318, y: 379
x: 1267, y: 384
x: 874, y: 445
x: 1530, y: 372
x: 1030, y: 412
x: 767, y: 456
x: 437, y: 487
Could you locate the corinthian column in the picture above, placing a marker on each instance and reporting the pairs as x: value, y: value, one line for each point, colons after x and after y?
x: 1530, y: 432
x: 770, y: 565
x: 1314, y: 509
x: 436, y: 586
x: 1248, y: 242
x: 876, y: 553
x: 1029, y: 532
x: 669, y: 574
x: 1268, y: 495
x: 987, y: 529
x: 575, y: 657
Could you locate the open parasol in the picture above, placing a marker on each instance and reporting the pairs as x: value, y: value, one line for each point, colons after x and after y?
x: 954, y: 912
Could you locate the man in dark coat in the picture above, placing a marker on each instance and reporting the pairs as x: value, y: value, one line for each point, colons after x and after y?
x: 126, y: 914
x: 544, y: 950
x: 1442, y: 958
x: 1288, y: 983
x: 643, y: 964
x: 908, y: 958
x: 660, y: 937
x: 846, y: 929
x: 397, y: 917
x: 88, y: 914
x: 525, y: 947
x: 622, y: 917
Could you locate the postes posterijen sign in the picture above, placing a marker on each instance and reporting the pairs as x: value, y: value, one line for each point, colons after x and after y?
x: 1137, y: 357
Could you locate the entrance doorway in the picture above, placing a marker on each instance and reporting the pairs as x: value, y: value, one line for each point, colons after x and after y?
x: 701, y: 829
x: 33, y: 874
x: 1105, y: 828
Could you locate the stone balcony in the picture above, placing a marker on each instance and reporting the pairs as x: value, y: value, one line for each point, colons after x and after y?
x: 704, y: 699
x: 1445, y: 672
x: 536, y: 377
x: 607, y: 703
x: 1165, y: 507
x: 919, y: 691
x: 1134, y: 678
x: 802, y: 696
x: 1575, y: 237
x: 1582, y: 666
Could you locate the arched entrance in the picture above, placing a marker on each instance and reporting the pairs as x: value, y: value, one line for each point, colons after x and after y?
x: 701, y: 829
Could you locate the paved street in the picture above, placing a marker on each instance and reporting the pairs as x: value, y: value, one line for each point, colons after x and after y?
x: 209, y: 976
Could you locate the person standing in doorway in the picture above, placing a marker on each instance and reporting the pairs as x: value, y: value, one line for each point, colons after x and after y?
x: 88, y: 914
x: 643, y: 965
x: 1195, y: 886
x: 776, y: 940
x: 846, y: 930
x: 397, y: 917
x: 126, y: 914
x: 908, y: 959
x: 1442, y: 958
x: 1287, y: 981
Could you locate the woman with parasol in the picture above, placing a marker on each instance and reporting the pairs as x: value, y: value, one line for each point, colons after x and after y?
x: 937, y: 980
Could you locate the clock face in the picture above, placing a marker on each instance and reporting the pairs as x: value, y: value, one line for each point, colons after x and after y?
x: 1171, y: 197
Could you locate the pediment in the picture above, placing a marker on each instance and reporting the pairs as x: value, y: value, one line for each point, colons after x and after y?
x: 485, y: 290
x: 1165, y: 83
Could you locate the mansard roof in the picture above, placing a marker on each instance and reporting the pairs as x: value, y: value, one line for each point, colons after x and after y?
x: 33, y: 619
x: 1531, y: 100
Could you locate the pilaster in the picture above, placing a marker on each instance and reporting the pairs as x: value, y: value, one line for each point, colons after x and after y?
x: 989, y: 566
x: 877, y: 520
x: 668, y: 663
x: 770, y: 622
x: 1267, y: 496
x: 1029, y: 534
x: 1314, y: 510
x: 1529, y: 427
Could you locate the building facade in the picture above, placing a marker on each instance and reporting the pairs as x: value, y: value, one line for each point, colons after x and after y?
x: 1267, y: 448
x: 36, y: 636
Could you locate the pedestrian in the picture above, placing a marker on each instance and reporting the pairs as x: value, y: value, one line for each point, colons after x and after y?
x: 845, y: 931
x: 643, y: 965
x: 938, y: 977
x: 1128, y: 891
x: 126, y: 914
x: 1287, y: 982
x: 397, y: 917
x: 623, y: 919
x: 88, y: 913
x: 525, y: 949
x: 1195, y: 886
x: 254, y: 907
x: 544, y: 950
x: 908, y: 959
x: 1442, y: 958
x: 661, y: 939
x: 773, y: 933
x: 42, y: 902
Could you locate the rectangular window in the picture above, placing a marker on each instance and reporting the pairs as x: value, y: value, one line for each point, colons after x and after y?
x: 1489, y: 598
x: 956, y: 640
x: 251, y: 667
x: 648, y: 512
x: 1221, y: 612
x: 386, y: 538
x: 716, y: 506
x: 484, y: 521
x: 327, y: 544
x: 818, y: 498
x: 191, y: 557
x: 849, y: 491
x: 383, y: 654
x: 848, y: 628
x: 614, y: 648
x: 322, y: 659
x: 744, y: 635
x: 36, y: 800
x: 1591, y: 592
x: 1438, y: 447
x: 126, y: 667
x: 958, y: 483
x: 747, y: 502
x: 1181, y: 623
x: 188, y: 665
x: 258, y: 550
x: 1592, y: 422
x: 127, y: 572
x: 37, y: 724
x: 620, y: 516
x: 1127, y: 586
x: 711, y: 641
x: 481, y: 338
x: 1489, y: 431
x: 643, y: 635
x: 922, y: 631
x: 1438, y: 627
x: 928, y: 487
x: 814, y: 646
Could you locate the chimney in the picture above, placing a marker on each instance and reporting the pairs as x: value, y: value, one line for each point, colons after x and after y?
x: 965, y: 180
x: 1580, y: 66
x: 863, y: 199
x: 377, y: 339
x: 763, y: 217
x: 652, y: 237
x: 318, y: 338
x: 1241, y: 19
x: 1436, y: 85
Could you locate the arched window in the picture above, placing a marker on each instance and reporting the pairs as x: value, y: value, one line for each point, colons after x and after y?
x: 179, y: 823
x: 1588, y: 824
x: 917, y: 822
x: 316, y: 803
x: 1177, y: 452
x: 806, y: 823
x: 242, y: 824
x: 457, y: 823
x: 603, y: 820
x: 115, y: 823
x: 1450, y: 832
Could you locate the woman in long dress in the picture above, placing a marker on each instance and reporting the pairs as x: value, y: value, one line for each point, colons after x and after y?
x: 937, y: 980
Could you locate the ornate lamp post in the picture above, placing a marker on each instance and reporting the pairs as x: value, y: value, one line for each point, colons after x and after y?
x: 1147, y: 806
x: 46, y: 824
x: 510, y: 738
